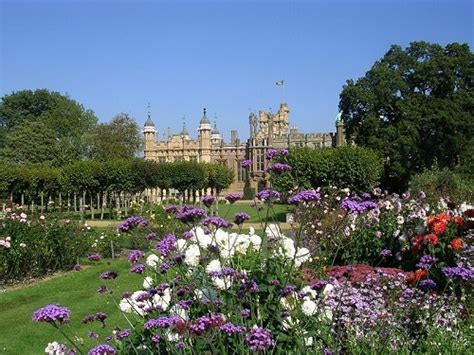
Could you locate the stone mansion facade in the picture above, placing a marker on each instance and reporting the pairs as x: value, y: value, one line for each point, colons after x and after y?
x: 267, y: 130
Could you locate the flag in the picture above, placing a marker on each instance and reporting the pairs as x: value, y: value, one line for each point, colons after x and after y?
x: 280, y: 82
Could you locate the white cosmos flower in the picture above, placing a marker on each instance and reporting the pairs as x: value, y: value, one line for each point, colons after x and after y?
x: 200, y: 237
x: 400, y: 220
x: 222, y: 283
x: 327, y: 289
x: 148, y: 282
x: 191, y: 256
x: 213, y: 266
x: 255, y: 240
x: 163, y: 300
x: 153, y: 260
x: 308, y: 290
x: 309, y: 308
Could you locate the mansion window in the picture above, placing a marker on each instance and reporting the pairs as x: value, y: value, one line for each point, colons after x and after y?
x: 241, y: 171
x: 260, y: 160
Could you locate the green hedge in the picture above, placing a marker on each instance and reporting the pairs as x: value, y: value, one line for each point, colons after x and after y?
x: 357, y: 168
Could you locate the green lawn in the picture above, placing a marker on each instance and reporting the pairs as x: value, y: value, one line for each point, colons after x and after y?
x: 75, y: 290
x: 277, y: 213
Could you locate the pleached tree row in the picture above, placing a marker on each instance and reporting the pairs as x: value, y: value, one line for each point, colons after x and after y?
x: 100, y: 186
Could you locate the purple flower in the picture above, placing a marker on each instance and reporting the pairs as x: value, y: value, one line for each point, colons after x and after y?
x: 408, y: 293
x: 287, y: 290
x: 271, y: 153
x: 108, y: 275
x: 166, y: 245
x: 464, y: 273
x: 190, y: 214
x: 93, y: 335
x: 188, y: 235
x: 150, y: 236
x: 93, y: 257
x: 131, y: 222
x: 208, y: 200
x: 134, y: 255
x: 185, y: 304
x: 103, y: 349
x: 245, y: 313
x: 123, y: 334
x: 155, y: 338
x: 266, y: 194
x: 161, y: 322
x: 125, y: 294
x: 427, y: 283
x: 171, y: 209
x: 218, y: 222
x: 102, y: 289
x: 279, y: 168
x: 207, y: 322
x: 138, y: 268
x: 248, y: 286
x: 386, y: 253
x: 232, y: 197
x: 52, y: 313
x: 179, y: 345
x: 304, y: 196
x: 77, y: 267
x: 259, y: 339
x: 241, y: 217
x: 327, y: 351
x: 283, y: 152
x: 352, y: 206
x: 229, y: 328
x: 246, y: 163
x: 425, y: 262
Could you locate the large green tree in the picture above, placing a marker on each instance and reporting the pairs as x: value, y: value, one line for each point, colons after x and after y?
x: 415, y: 106
x: 119, y: 139
x: 66, y: 124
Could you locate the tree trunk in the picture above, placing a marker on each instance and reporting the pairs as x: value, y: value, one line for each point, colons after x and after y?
x: 92, y: 206
x: 42, y: 201
x: 60, y: 202
x: 75, y: 202
x: 22, y: 199
x: 103, y: 205
x: 125, y: 203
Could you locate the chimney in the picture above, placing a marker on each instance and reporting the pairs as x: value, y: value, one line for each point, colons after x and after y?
x: 233, y: 136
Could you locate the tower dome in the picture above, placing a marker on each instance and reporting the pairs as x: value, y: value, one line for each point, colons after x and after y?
x: 215, y: 134
x: 204, y: 123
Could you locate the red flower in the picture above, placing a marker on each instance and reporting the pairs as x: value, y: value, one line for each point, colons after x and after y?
x: 457, y: 244
x: 432, y: 239
x: 439, y: 227
x: 417, y: 239
x: 417, y: 275
x: 459, y: 221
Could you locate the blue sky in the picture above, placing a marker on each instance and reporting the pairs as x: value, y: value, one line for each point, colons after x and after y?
x: 181, y: 56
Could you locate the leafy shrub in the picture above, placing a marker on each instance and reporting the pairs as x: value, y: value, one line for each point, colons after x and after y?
x: 40, y: 246
x: 358, y: 169
x: 445, y: 183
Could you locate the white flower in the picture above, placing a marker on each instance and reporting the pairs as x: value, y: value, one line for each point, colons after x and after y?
x: 289, y: 323
x: 213, y: 266
x: 273, y: 230
x: 163, y: 301
x: 23, y: 215
x: 51, y: 348
x: 148, y: 282
x: 200, y: 237
x: 206, y: 295
x: 153, y: 260
x: 327, y: 289
x: 309, y: 308
x: 172, y: 337
x: 181, y: 245
x: 400, y: 220
x: 302, y: 255
x: 255, y: 240
x: 125, y: 305
x: 308, y: 341
x: 191, y: 256
x: 289, y: 301
x: 308, y: 290
x: 179, y: 311
x: 222, y: 283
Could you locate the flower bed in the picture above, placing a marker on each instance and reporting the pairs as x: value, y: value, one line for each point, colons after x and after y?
x: 210, y: 290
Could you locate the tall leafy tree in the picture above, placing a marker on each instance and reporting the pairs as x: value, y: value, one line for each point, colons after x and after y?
x: 119, y: 139
x: 67, y: 123
x: 415, y: 106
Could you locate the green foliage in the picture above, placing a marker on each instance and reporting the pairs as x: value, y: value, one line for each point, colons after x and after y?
x: 119, y: 139
x: 43, y: 127
x: 413, y: 107
x: 444, y: 183
x: 218, y: 177
x: 39, y: 247
x: 356, y: 168
x: 187, y: 176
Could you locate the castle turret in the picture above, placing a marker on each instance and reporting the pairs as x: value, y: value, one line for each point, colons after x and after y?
x: 149, y: 133
x: 340, y: 131
x: 204, y: 130
x: 216, y: 137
